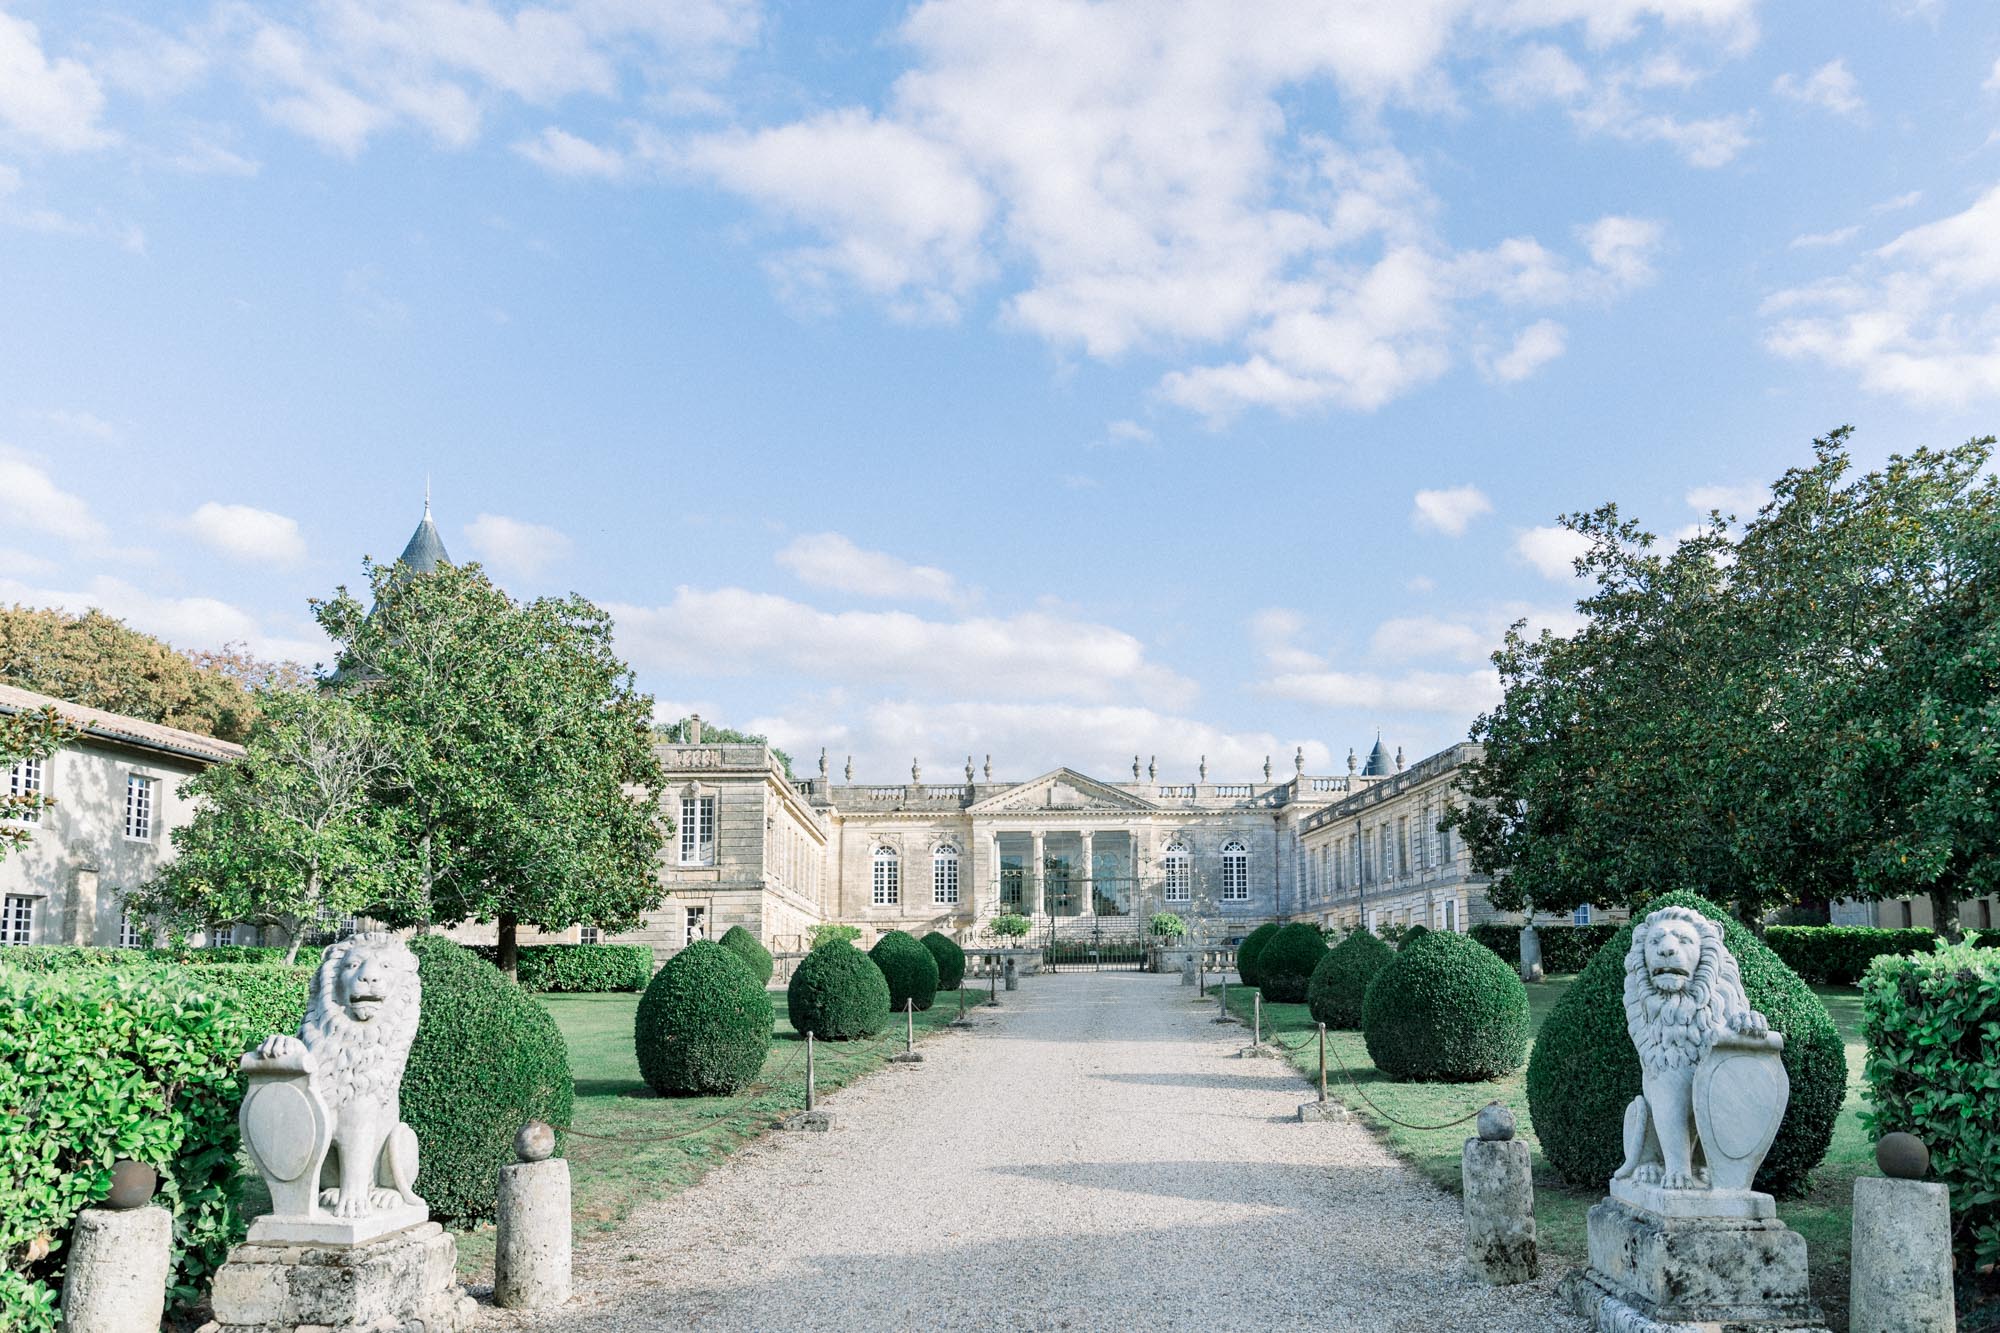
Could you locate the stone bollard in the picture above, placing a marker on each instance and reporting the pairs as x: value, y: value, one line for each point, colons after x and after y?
x: 1013, y: 981
x: 1187, y: 970
x: 1499, y: 1202
x: 531, y: 1245
x: 1531, y: 953
x: 118, y: 1258
x: 1902, y: 1245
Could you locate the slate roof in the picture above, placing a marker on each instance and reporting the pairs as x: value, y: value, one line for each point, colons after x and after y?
x: 1378, y: 762
x: 425, y: 551
x: 124, y: 730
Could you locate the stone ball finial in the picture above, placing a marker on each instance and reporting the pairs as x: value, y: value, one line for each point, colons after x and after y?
x: 989, y: 768
x: 1399, y: 758
x: 536, y: 1142
x: 1299, y: 760
x: 1135, y: 768
x: 1353, y: 762
x: 1153, y: 769
x: 849, y: 772
x: 132, y: 1185
x: 968, y: 768
x: 822, y: 761
x: 1902, y: 1156
x: 1267, y: 768
x: 916, y: 773
x: 1496, y: 1123
x: 1203, y: 769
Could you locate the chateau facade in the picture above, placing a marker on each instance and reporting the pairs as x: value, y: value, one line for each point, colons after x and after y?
x: 1079, y: 855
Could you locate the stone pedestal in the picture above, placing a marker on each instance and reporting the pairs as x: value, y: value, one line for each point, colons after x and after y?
x: 532, y: 1235
x: 116, y: 1279
x: 1499, y: 1212
x: 380, y: 1287
x: 1328, y: 1112
x: 1654, y: 1274
x: 1902, y: 1258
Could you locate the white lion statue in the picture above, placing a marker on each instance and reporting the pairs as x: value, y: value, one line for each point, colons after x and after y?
x: 352, y: 1047
x: 1682, y: 990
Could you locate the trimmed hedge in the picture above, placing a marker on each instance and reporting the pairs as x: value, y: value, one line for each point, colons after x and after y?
x: 704, y: 1024
x: 1840, y: 955
x: 754, y: 955
x: 1285, y: 967
x: 487, y: 1058
x: 1933, y: 1027
x: 837, y: 994
x: 101, y: 1064
x: 1445, y: 1010
x: 1584, y: 1071
x: 70, y: 957
x: 909, y: 969
x: 1340, y: 980
x: 1565, y: 949
x: 268, y: 1000
x: 949, y: 957
x: 1247, y: 952
x: 584, y: 969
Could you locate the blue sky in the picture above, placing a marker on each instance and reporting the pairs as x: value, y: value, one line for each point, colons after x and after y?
x: 1061, y: 381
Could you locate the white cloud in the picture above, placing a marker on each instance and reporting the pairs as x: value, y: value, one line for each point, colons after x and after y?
x: 1410, y: 637
x: 1832, y: 87
x: 558, y: 151
x: 1918, y: 318
x: 515, y: 547
x: 1899, y: 202
x: 1551, y: 551
x: 47, y: 103
x: 244, y: 533
x: 1449, y: 511
x: 1457, y: 694
x: 1992, y: 84
x: 1274, y: 631
x: 184, y: 622
x: 1127, y: 432
x: 1534, y: 347
x: 1823, y: 239
x: 1034, y: 655
x: 1420, y: 583
x: 829, y: 560
x: 1620, y: 102
x: 82, y: 423
x: 1742, y: 500
x: 30, y: 500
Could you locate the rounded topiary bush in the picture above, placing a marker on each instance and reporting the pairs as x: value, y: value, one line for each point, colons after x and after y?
x: 704, y: 1024
x: 908, y: 967
x: 837, y: 993
x: 1585, y: 1071
x: 1247, y: 952
x: 1340, y: 980
x: 1286, y: 965
x: 1412, y: 935
x: 487, y: 1058
x: 949, y: 957
x: 754, y: 955
x: 1445, y: 1010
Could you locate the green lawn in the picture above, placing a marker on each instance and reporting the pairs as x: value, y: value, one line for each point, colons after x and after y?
x: 1822, y: 1216
x: 609, y: 1179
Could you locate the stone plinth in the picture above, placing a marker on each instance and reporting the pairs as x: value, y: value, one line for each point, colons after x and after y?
x: 116, y: 1279
x: 1902, y: 1258
x: 1328, y: 1112
x: 531, y: 1251
x: 1654, y: 1274
x: 1499, y: 1184
x: 328, y: 1230
x: 380, y: 1287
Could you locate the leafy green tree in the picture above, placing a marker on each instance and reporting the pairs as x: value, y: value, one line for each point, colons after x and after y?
x: 294, y: 833
x: 524, y: 750
x: 29, y: 735
x: 99, y: 661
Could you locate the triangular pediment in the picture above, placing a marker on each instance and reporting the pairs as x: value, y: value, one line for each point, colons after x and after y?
x: 1064, y: 789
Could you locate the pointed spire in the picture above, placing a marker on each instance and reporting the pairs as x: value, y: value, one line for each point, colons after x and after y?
x: 425, y: 550
x: 1378, y: 760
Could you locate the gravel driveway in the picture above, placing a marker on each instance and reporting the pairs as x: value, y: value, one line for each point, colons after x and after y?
x: 1090, y: 1157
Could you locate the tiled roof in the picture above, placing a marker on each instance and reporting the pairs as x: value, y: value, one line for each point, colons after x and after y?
x: 116, y: 727
x: 425, y: 551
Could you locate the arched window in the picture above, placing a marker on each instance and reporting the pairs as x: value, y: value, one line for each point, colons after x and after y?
x: 944, y: 876
x: 1180, y: 873
x: 1235, y: 872
x: 888, y: 878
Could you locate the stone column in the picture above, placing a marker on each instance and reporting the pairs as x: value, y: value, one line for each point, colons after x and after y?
x: 992, y: 869
x: 117, y: 1275
x: 1089, y: 902
x: 1902, y: 1258
x: 531, y: 1255
x: 1040, y: 855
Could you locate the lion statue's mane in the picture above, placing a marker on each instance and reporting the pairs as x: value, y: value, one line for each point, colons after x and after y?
x: 362, y: 1061
x: 1673, y: 1030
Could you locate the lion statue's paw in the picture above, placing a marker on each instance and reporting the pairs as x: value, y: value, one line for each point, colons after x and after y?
x: 1648, y: 1174
x: 342, y: 1204
x: 1679, y: 1180
x: 1749, y: 1023
x: 280, y: 1045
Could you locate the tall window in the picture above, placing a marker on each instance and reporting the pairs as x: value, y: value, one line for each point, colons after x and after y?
x: 1235, y: 873
x: 130, y: 935
x: 697, y: 830
x: 138, y: 807
x: 944, y: 877
x: 1180, y: 873
x: 1581, y: 916
x: 17, y: 920
x: 1403, y: 846
x: 25, y: 779
x: 887, y: 880
x: 1451, y: 914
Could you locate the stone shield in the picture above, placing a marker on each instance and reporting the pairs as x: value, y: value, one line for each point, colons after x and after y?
x: 1740, y: 1094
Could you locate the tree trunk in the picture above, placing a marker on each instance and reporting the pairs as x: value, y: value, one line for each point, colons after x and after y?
x: 508, y: 955
x: 1944, y: 913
